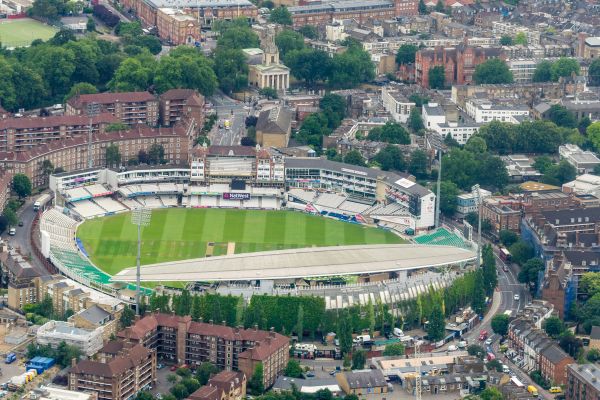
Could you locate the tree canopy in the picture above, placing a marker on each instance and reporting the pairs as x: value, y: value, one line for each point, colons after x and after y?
x: 281, y: 15
x: 493, y: 70
x: 406, y: 54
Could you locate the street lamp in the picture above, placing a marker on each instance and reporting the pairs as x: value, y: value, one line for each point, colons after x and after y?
x: 140, y: 217
x: 476, y: 189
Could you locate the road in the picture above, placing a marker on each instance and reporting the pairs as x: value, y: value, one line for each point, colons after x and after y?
x: 21, y: 239
x: 232, y: 110
x: 108, y: 5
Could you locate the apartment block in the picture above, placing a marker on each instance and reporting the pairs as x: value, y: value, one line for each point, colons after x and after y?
x: 72, y: 154
x: 53, y: 333
x: 22, y: 134
x: 178, y: 104
x: 5, y: 185
x: 226, y: 385
x: 583, y: 382
x: 121, y: 370
x: 396, y: 104
x: 503, y: 214
x: 183, y: 341
x: 23, y: 280
x: 130, y: 108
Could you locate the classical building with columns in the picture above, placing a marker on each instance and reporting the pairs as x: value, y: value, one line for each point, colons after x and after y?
x: 267, y: 71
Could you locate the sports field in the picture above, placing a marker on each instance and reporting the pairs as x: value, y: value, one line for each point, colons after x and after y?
x: 177, y: 234
x: 21, y: 32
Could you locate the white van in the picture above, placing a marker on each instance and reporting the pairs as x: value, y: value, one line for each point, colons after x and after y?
x: 12, y: 231
x: 398, y: 332
x: 362, y: 339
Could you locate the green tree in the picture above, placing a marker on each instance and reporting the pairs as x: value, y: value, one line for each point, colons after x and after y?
x: 529, y: 273
x: 352, y: 67
x: 493, y: 70
x: 47, y: 169
x: 589, y: 283
x: 564, y: 67
x: 476, y: 350
x: 268, y: 92
x: 418, y: 163
x: 288, y: 40
x: 422, y: 7
x: 309, y: 65
x: 355, y: 158
x: 255, y: 384
x: 507, y: 238
x: 437, y: 77
x: 293, y: 369
x: 561, y: 116
x: 593, y: 355
x: 543, y: 71
x: 281, y: 15
x: 131, y: 76
x: 500, y: 324
x: 491, y: 393
x: 359, y: 358
x: 81, y: 88
x: 237, y: 37
x: 156, y: 154
x: 10, y: 216
x: 439, y: 6
x: 478, y: 299
x: 129, y: 29
x: 593, y: 134
x: 448, y: 198
x: 179, y: 391
x: 494, y: 365
x: 21, y: 184
x: 390, y: 158
x: 205, y: 371
x: 594, y: 73
x: 300, y: 323
x: 231, y: 69
x: 90, y: 25
x: 127, y: 317
x: 113, y: 155
x: 172, y: 378
x: 521, y: 252
x: 394, y: 349
x: 476, y: 145
x: 415, y: 120
x: 559, y: 174
x: 521, y: 38
x: 406, y: 54
x: 543, y: 164
x: 506, y: 40
x: 56, y: 66
x: 391, y: 132
x: 570, y: 344
x: 437, y: 326
x: 553, y: 326
x: 185, y: 67
x: 308, y: 31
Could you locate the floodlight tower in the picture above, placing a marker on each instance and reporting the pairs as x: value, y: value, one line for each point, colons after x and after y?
x: 418, y: 388
x: 140, y: 217
x: 477, y: 190
x: 92, y: 110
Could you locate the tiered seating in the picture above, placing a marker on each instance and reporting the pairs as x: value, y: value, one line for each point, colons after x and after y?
x: 441, y: 237
x: 88, y: 209
x: 330, y: 200
x: 131, y: 203
x: 77, y: 193
x: 167, y: 187
x: 96, y: 189
x: 307, y: 196
x: 194, y: 201
x: 386, y: 209
x: 264, y: 191
x: 353, y: 207
x: 109, y: 204
x: 150, y: 201
x: 60, y: 227
x: 169, y: 201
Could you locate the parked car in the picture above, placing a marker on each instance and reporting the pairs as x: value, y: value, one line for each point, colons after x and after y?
x: 488, y: 341
x: 516, y: 297
x: 20, y: 223
x: 452, y: 348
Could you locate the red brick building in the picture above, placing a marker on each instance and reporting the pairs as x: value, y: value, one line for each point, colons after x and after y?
x: 226, y: 385
x: 553, y: 364
x: 176, y: 104
x: 129, y: 107
x: 184, y: 341
x: 324, y: 13
x: 459, y: 62
x: 5, y: 185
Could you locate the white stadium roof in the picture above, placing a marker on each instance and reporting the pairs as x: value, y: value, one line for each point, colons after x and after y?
x: 302, y: 263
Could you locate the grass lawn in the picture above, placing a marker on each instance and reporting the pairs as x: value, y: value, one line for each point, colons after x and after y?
x: 21, y: 32
x: 177, y: 234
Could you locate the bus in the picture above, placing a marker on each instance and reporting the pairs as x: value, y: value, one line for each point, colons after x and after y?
x: 504, y: 254
x: 41, y: 201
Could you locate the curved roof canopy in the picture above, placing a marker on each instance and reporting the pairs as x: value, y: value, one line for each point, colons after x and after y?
x: 302, y: 263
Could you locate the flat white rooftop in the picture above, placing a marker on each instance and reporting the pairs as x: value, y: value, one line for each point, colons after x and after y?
x: 301, y: 263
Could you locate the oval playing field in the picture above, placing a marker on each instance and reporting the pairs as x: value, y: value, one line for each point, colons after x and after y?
x: 179, y: 234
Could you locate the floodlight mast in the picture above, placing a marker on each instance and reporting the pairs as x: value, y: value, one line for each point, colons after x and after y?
x: 140, y: 217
